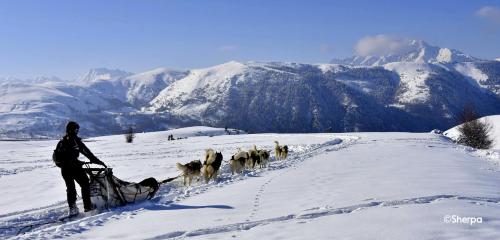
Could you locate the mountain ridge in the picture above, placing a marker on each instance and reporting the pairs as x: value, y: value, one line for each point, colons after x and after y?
x: 412, y: 95
x: 416, y: 51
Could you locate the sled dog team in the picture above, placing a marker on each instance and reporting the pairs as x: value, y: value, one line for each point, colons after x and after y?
x: 240, y: 161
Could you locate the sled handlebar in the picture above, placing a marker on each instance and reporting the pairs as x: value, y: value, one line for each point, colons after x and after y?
x: 96, y: 169
x: 87, y: 163
x: 88, y: 169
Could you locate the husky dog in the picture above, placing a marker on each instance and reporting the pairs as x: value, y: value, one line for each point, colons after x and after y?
x: 211, y: 165
x: 254, y: 158
x: 237, y: 162
x: 284, y: 152
x: 209, y: 156
x: 277, y: 150
x: 264, y: 157
x: 190, y: 170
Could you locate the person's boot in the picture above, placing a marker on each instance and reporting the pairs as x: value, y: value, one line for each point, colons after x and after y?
x: 88, y: 209
x: 73, y: 210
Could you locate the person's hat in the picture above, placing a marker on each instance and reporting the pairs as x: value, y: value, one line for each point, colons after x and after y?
x: 71, y: 127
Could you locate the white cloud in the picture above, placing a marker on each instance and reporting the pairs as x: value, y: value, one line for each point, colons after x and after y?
x: 228, y: 48
x: 490, y: 13
x: 381, y: 45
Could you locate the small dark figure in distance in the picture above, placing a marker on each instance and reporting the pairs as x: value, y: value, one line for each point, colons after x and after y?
x: 66, y: 157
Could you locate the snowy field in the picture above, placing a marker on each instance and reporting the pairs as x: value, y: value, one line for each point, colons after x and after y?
x: 332, y: 186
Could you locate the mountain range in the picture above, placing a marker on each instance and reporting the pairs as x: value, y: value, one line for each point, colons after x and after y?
x: 420, y: 89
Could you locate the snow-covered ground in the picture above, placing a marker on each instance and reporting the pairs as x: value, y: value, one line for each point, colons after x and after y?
x: 346, y: 186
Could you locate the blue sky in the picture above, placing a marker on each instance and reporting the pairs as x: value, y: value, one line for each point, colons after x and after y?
x: 66, y: 38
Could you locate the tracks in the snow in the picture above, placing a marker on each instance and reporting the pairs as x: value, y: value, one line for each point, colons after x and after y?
x: 323, y: 212
x: 292, y: 163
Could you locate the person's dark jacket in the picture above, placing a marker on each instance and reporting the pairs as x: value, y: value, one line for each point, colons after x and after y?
x: 74, y: 146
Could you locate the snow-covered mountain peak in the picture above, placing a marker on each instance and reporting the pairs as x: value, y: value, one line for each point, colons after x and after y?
x: 100, y: 74
x: 159, y: 70
x: 211, y: 76
x: 217, y: 87
x: 229, y: 68
x: 416, y: 51
x: 209, y: 82
x: 166, y: 74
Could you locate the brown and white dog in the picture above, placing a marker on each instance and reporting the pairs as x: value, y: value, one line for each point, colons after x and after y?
x: 238, y: 161
x: 281, y: 152
x: 284, y: 152
x: 253, y: 158
x: 190, y: 170
x: 264, y: 157
x: 211, y: 165
x: 277, y: 150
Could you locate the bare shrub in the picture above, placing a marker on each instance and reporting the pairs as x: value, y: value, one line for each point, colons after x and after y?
x: 129, y: 135
x: 474, y: 132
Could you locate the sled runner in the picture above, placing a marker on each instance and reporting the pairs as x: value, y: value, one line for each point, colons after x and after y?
x: 107, y: 191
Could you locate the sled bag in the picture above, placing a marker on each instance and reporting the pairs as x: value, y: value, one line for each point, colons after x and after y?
x: 107, y: 191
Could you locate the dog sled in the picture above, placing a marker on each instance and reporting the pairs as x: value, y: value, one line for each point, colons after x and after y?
x: 108, y: 191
